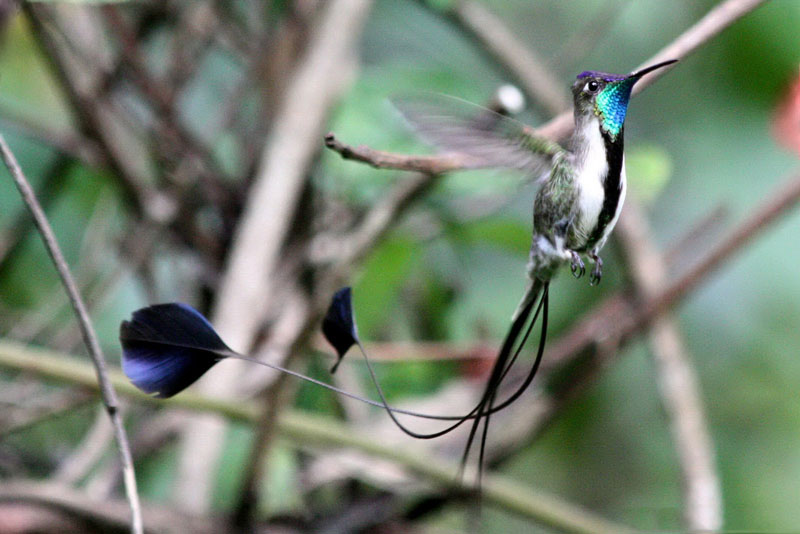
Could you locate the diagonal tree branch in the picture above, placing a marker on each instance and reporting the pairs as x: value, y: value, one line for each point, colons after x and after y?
x: 677, y: 379
x: 712, y: 24
x: 89, y: 337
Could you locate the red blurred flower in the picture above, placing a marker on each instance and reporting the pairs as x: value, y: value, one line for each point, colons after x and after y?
x: 786, y: 122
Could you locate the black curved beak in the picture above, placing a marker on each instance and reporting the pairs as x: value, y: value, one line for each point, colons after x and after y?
x: 641, y: 72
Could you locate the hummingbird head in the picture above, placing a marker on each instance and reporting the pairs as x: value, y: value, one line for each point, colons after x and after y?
x: 607, y: 95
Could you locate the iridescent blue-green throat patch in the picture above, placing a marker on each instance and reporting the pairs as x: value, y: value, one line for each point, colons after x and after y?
x: 612, y: 104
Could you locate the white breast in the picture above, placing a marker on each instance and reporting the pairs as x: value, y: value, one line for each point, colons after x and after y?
x: 592, y: 167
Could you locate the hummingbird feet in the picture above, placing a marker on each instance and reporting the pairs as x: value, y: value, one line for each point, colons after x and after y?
x: 578, y: 268
x: 597, y: 272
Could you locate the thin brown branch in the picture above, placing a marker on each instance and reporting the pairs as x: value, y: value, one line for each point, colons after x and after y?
x: 677, y: 379
x: 402, y: 352
x: 387, y: 160
x: 697, y: 237
x: 90, y: 338
x: 715, y: 21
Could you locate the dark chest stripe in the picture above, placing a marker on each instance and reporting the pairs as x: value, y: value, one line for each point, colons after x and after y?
x: 612, y: 187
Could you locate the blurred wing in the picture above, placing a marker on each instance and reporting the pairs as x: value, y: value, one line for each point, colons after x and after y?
x: 167, y: 347
x: 494, y: 140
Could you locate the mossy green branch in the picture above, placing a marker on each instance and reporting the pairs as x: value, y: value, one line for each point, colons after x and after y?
x: 322, y: 431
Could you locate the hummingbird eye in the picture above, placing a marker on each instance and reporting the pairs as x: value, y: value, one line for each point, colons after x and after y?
x: 591, y: 87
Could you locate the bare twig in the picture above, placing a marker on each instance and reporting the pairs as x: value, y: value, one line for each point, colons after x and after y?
x: 697, y: 237
x: 107, y: 390
x: 677, y: 379
x: 387, y: 160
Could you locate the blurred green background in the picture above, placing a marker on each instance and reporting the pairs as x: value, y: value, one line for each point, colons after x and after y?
x: 697, y: 140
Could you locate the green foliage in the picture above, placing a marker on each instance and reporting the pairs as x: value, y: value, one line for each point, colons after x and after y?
x: 376, y: 294
x: 649, y: 167
x: 762, y: 55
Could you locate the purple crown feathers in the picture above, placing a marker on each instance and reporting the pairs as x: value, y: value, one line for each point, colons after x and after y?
x: 605, y: 76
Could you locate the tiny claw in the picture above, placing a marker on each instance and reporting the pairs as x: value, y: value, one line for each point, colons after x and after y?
x: 597, y: 272
x: 578, y: 268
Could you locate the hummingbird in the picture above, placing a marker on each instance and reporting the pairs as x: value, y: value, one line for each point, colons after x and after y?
x: 167, y: 347
x: 575, y: 209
